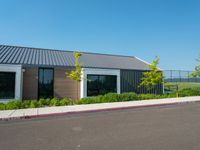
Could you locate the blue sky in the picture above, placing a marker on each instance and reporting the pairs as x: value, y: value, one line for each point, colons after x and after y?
x: 143, y: 28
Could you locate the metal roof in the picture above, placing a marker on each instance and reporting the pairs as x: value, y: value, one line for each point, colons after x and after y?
x: 28, y: 56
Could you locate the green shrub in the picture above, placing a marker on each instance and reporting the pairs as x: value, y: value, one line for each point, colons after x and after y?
x: 26, y: 104
x: 54, y: 102
x: 110, y: 97
x: 128, y: 96
x: 90, y: 100
x: 2, y: 106
x: 114, y: 97
x: 44, y: 102
x: 189, y: 92
x: 17, y: 104
x: 146, y: 96
x: 34, y: 104
x: 48, y: 100
x: 168, y: 95
x: 66, y: 101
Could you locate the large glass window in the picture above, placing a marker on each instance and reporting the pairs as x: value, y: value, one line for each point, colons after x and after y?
x: 45, y: 83
x: 101, y: 84
x: 7, y: 85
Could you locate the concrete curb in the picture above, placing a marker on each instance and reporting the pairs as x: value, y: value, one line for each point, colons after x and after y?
x: 77, y: 109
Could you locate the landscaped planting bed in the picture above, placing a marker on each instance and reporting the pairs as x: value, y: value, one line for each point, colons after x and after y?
x: 110, y: 97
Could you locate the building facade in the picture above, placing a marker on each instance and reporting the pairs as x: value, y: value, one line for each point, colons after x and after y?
x: 34, y: 73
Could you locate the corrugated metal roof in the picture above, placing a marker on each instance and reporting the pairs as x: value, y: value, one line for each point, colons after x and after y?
x: 28, y: 56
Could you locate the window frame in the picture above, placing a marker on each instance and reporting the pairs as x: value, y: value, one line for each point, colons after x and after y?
x: 99, y: 88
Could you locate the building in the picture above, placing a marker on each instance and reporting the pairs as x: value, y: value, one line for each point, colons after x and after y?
x: 33, y: 73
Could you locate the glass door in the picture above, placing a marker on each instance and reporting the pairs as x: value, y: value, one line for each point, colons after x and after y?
x: 45, y: 85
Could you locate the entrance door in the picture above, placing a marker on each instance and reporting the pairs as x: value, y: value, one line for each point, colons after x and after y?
x: 45, y: 86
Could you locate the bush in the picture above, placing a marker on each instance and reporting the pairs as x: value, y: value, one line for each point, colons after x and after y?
x: 54, y: 102
x: 110, y: 97
x: 14, y: 105
x: 44, y: 102
x: 146, y: 96
x: 66, y: 101
x: 114, y: 97
x: 189, y: 92
x: 2, y: 106
x: 34, y: 104
x: 90, y: 100
x: 26, y: 104
x: 168, y: 95
x: 128, y: 96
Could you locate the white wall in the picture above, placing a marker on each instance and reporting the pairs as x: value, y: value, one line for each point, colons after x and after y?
x: 83, y: 88
x: 18, y: 78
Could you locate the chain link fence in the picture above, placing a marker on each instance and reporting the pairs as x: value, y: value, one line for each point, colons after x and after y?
x: 176, y: 80
x: 180, y: 76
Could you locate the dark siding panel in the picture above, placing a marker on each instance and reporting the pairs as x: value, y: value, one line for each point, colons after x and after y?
x: 130, y: 80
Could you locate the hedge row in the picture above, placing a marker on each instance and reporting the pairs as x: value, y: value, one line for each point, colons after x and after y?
x: 113, y: 97
x: 110, y: 97
x: 18, y: 104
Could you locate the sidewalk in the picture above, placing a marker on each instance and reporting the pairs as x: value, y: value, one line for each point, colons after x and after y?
x: 48, y: 111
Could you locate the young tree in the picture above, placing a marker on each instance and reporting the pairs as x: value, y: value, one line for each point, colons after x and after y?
x: 76, y: 74
x: 153, y: 77
x: 197, y: 69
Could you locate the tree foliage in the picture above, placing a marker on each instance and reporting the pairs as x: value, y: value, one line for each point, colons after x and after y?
x: 197, y: 69
x: 153, y: 77
x: 77, y: 73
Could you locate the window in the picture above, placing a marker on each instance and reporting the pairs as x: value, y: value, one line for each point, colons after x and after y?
x: 101, y: 84
x: 7, y: 85
x: 45, y: 83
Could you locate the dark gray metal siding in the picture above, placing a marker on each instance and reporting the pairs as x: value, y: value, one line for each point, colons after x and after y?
x: 130, y: 80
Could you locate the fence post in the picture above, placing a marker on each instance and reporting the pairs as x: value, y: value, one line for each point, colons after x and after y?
x: 177, y: 90
x: 171, y: 75
x: 180, y: 75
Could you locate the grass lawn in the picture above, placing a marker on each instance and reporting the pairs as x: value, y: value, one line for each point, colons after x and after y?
x: 182, y: 85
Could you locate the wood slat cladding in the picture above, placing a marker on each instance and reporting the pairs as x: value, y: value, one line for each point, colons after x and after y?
x: 130, y: 80
x: 30, y: 83
x: 65, y: 87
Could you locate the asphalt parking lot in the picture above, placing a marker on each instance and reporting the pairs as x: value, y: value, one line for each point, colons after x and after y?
x: 175, y: 127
